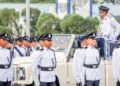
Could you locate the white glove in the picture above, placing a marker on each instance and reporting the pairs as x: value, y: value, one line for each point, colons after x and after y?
x: 37, y: 83
x: 112, y: 37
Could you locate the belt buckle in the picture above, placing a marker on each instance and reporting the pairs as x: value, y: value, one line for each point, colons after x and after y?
x: 94, y: 66
x: 6, y: 66
x: 49, y: 69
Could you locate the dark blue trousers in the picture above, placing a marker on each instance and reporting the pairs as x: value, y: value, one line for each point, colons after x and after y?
x: 48, y: 84
x: 118, y: 83
x: 79, y: 84
x: 5, y: 83
x: 92, y: 83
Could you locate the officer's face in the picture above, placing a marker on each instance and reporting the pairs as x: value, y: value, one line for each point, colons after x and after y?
x: 83, y: 43
x: 3, y: 43
x: 18, y: 43
x: 41, y: 43
x: 102, y: 14
x: 94, y: 42
x: 6, y: 42
x: 26, y: 44
x: 9, y: 45
x: 33, y: 44
x: 91, y: 42
x: 48, y: 43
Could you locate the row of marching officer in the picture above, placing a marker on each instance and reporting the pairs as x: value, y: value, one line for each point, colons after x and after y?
x: 44, y: 61
x: 9, y: 49
x: 21, y: 46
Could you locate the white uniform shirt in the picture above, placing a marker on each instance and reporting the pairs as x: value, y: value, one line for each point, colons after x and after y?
x: 109, y: 27
x: 78, y: 72
x: 91, y: 56
x: 5, y: 74
x: 21, y: 49
x: 116, y: 63
x: 45, y: 58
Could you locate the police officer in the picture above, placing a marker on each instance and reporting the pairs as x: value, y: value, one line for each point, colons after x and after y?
x: 10, y: 42
x: 108, y: 27
x: 116, y: 63
x: 77, y: 63
x: 35, y: 70
x: 45, y: 61
x: 6, y: 69
x: 26, y: 45
x: 40, y: 42
x: 33, y: 43
x: 19, y: 51
x: 90, y: 61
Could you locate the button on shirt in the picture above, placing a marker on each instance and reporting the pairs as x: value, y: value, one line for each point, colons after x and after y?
x: 5, y: 74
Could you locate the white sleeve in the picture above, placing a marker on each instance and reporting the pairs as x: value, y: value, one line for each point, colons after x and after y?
x: 36, y: 59
x: 78, y: 62
x: 83, y: 57
x: 115, y: 66
x: 116, y: 26
x: 76, y: 66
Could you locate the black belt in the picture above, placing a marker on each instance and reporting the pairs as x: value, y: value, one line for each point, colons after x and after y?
x: 94, y: 66
x: 4, y: 66
x: 47, y: 69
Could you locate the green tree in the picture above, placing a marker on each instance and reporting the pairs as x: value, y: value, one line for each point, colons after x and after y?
x: 91, y: 24
x: 8, y: 16
x: 72, y: 24
x: 4, y: 29
x: 47, y: 23
x: 9, y: 19
x: 79, y: 25
x: 34, y: 14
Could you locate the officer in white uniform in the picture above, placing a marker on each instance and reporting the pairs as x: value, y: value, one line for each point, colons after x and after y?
x: 116, y: 63
x: 78, y: 72
x: 26, y: 45
x: 6, y: 69
x: 19, y: 51
x: 90, y: 61
x: 45, y: 61
x: 33, y: 43
x: 35, y: 70
x: 109, y: 27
